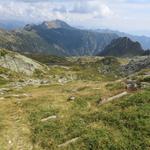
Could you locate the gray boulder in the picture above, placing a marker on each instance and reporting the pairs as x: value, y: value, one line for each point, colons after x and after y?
x: 18, y: 63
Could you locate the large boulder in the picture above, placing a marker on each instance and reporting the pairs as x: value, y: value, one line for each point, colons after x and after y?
x: 18, y: 63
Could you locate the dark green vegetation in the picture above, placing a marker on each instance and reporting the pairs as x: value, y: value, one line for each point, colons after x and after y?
x: 3, y: 52
x: 49, y: 59
x: 146, y: 79
x: 3, y: 81
x: 122, y: 47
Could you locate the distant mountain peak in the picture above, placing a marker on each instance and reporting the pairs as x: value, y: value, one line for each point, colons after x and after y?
x: 55, y: 24
x: 122, y: 46
x: 29, y: 27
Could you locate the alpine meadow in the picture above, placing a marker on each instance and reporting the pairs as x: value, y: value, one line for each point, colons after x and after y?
x: 74, y: 75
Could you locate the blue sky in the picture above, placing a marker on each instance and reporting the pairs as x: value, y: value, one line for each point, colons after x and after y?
x: 125, y: 15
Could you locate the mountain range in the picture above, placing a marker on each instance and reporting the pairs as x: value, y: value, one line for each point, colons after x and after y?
x: 58, y: 38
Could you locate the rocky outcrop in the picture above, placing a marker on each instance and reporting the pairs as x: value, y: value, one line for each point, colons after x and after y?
x: 18, y: 63
x: 132, y: 85
x: 122, y: 47
x: 136, y: 65
x: 30, y: 82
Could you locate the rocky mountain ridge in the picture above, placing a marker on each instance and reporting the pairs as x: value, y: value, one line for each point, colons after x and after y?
x: 122, y: 47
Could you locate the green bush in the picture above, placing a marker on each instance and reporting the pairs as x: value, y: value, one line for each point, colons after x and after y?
x: 3, y: 52
x: 146, y: 79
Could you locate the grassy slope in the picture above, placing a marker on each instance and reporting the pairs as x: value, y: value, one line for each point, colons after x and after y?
x: 49, y: 59
x: 119, y: 125
x: 123, y: 124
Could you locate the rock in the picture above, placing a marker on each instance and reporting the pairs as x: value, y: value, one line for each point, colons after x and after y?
x: 19, y: 63
x: 136, y: 65
x: 26, y: 95
x: 44, y: 82
x: 98, y: 101
x: 2, y: 98
x: 18, y: 95
x: 114, y: 97
x: 4, y: 90
x: 30, y: 82
x: 71, y: 98
x: 145, y: 85
x: 49, y: 118
x: 68, y: 142
x: 62, y: 80
x: 4, y: 76
x: 132, y: 85
x: 15, y: 95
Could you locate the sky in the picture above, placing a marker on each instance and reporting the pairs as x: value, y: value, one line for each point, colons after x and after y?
x: 132, y: 16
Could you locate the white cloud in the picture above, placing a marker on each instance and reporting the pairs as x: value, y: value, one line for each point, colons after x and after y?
x: 53, y: 9
x: 123, y: 15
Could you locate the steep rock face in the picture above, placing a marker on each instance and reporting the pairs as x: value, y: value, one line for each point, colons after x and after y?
x: 18, y: 63
x: 56, y: 38
x: 122, y: 47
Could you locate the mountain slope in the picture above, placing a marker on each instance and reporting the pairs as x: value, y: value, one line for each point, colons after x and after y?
x: 122, y: 47
x: 143, y: 40
x: 57, y: 38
